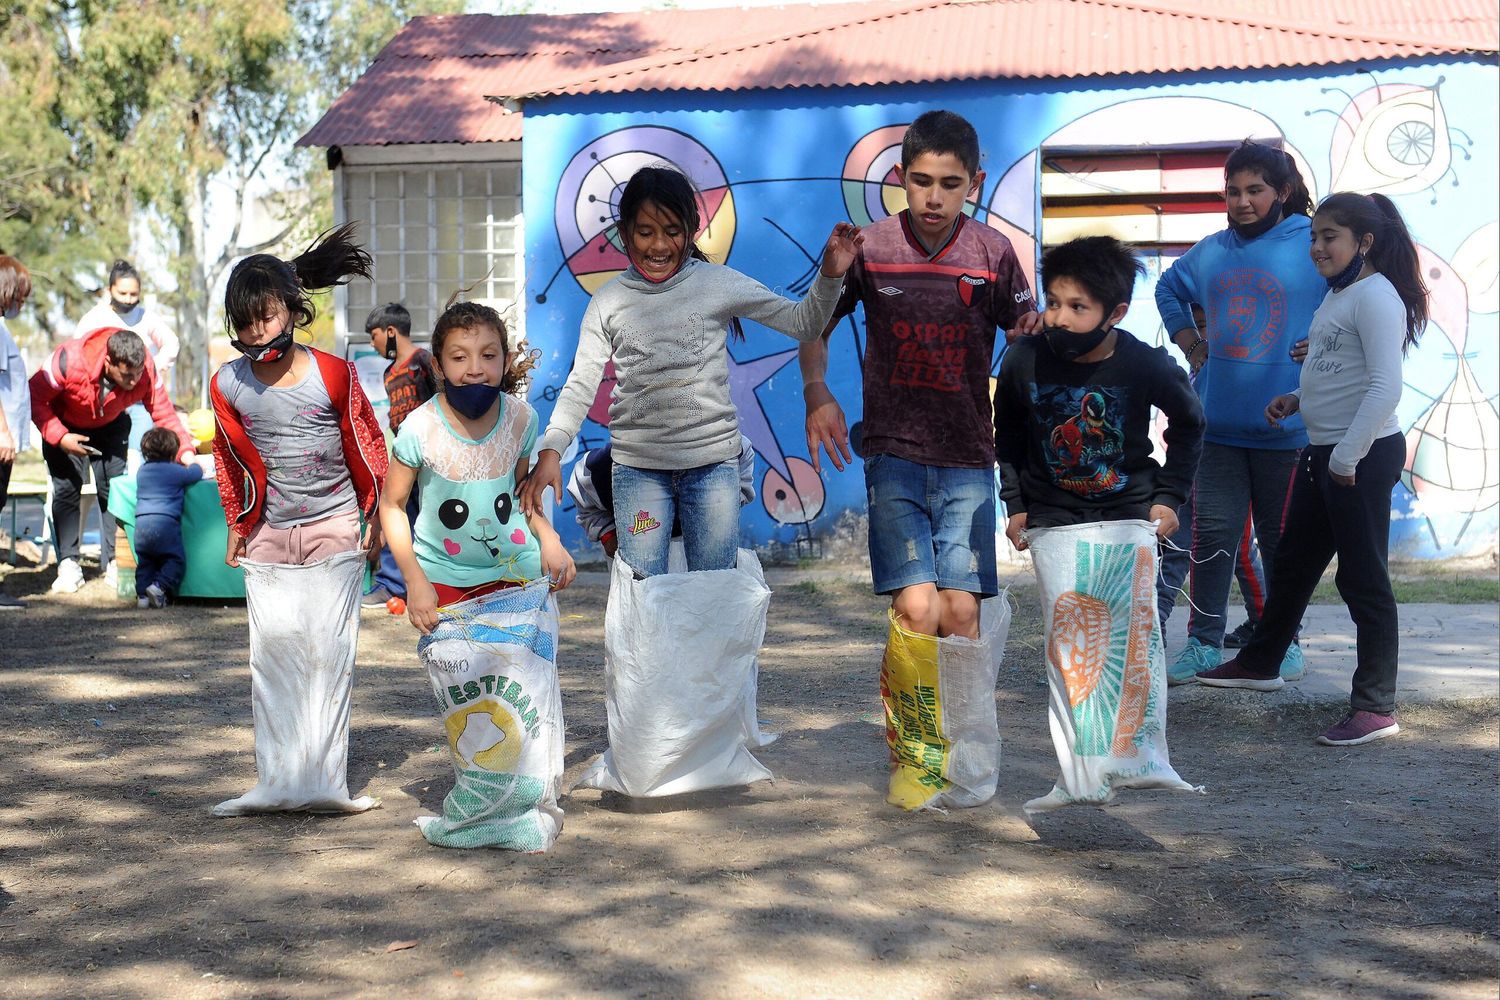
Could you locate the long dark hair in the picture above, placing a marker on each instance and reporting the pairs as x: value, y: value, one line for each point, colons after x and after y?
x: 672, y: 192
x: 262, y: 280
x: 1277, y: 168
x: 1393, y: 252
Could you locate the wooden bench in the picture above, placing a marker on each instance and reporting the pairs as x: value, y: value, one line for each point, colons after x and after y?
x: 35, y: 493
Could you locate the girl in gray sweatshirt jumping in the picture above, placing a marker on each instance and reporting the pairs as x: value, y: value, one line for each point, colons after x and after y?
x: 666, y: 320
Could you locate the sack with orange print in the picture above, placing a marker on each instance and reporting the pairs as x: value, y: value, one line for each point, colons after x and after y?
x: 1106, y: 669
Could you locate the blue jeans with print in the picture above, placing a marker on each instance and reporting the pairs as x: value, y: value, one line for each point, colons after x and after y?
x: 704, y: 500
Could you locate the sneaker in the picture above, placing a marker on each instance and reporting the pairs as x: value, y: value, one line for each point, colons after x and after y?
x: 69, y: 577
x: 1240, y: 636
x: 1232, y: 675
x: 155, y: 596
x: 1194, y: 658
x: 142, y: 602
x: 8, y: 603
x: 376, y: 598
x: 1360, y: 727
x: 396, y: 605
x: 111, y: 574
x: 1293, y: 664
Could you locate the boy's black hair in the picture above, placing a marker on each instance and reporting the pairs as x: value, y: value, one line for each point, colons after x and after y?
x: 261, y: 281
x: 1105, y: 267
x: 941, y: 132
x: 390, y: 314
x: 159, y: 445
x: 121, y: 269
x: 125, y: 347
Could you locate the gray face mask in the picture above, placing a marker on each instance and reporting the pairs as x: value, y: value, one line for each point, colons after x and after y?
x: 12, y: 312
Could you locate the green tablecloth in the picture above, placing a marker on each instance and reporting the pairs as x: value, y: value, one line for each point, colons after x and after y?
x: 204, y: 537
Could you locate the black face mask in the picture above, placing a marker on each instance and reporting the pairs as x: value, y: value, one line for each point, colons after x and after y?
x: 1070, y: 346
x: 473, y: 401
x: 1346, y: 277
x: 390, y: 348
x: 266, y: 353
x: 1250, y: 230
x: 122, y: 308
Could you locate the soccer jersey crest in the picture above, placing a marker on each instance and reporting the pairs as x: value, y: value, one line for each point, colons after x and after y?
x: 969, y: 286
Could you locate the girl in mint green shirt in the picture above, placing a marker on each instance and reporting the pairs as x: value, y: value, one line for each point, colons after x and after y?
x: 465, y: 451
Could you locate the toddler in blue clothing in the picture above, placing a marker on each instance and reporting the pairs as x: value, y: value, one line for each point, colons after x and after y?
x: 160, y: 486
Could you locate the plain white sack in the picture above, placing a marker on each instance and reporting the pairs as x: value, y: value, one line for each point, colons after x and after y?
x: 304, y: 627
x: 680, y: 672
x: 1106, y: 668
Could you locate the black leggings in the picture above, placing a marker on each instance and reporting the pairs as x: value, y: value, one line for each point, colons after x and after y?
x: 1324, y: 519
x: 68, y: 471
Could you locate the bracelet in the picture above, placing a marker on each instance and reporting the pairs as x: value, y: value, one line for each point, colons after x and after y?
x: 1200, y: 342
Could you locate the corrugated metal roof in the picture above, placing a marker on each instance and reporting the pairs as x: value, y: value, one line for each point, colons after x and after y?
x: 431, y: 82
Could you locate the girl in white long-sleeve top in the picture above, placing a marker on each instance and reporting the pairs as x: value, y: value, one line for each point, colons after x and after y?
x: 1375, y: 309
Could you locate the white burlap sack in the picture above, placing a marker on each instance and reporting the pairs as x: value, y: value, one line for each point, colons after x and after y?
x: 1106, y: 669
x: 304, y: 626
x: 680, y: 668
x: 492, y: 661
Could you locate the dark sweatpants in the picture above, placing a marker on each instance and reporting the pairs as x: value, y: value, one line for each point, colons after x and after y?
x: 68, y: 472
x: 1324, y: 519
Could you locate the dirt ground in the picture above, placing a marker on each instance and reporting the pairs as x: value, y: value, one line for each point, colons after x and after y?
x: 1304, y: 872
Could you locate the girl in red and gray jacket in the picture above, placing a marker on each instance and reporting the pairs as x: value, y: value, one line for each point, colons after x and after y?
x: 301, y: 459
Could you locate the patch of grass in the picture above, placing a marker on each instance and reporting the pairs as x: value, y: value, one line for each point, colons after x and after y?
x: 1442, y: 589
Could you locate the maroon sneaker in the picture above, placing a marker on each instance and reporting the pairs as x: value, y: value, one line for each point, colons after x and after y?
x: 1230, y: 674
x: 1360, y: 727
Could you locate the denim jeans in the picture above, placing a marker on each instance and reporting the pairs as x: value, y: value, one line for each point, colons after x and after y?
x: 1325, y: 519
x: 159, y: 556
x: 931, y: 524
x: 704, y: 500
x: 1233, y: 483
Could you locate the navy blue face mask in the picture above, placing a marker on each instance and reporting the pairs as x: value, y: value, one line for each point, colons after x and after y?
x: 1253, y: 230
x: 474, y: 400
x: 1346, y: 277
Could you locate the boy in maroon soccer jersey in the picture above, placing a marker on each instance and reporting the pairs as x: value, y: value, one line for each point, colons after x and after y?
x: 935, y: 285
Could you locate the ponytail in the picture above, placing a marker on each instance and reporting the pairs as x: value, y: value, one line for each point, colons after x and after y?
x: 1277, y: 168
x: 262, y: 280
x: 1393, y: 252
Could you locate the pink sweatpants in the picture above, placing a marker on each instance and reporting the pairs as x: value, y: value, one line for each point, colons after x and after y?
x: 304, y: 543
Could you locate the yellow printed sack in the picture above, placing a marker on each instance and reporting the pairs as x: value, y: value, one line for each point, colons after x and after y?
x: 940, y: 719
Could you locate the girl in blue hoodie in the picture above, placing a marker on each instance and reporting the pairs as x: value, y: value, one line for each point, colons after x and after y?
x: 1259, y: 291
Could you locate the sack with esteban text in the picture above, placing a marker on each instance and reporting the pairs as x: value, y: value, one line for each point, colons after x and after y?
x: 940, y: 717
x: 680, y: 665
x: 492, y: 661
x: 304, y: 626
x: 1106, y: 669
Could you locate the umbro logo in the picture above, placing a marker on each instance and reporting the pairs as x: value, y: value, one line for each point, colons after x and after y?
x: 889, y: 290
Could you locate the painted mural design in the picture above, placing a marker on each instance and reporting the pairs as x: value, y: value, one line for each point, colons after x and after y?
x: 774, y: 179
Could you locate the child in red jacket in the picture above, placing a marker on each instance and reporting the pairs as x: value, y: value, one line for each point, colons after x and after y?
x: 301, y: 458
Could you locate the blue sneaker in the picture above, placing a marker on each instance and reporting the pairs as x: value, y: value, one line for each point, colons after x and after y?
x: 1293, y: 666
x: 1195, y: 658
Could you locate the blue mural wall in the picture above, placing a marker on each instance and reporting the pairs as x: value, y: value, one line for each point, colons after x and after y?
x: 777, y: 169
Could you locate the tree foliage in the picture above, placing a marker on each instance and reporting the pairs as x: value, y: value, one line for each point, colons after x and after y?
x: 174, y: 113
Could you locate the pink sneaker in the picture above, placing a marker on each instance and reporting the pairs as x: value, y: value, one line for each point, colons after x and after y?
x: 1360, y: 727
x: 1230, y: 674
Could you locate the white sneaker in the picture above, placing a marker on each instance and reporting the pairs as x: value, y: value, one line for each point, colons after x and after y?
x: 155, y: 596
x: 142, y: 602
x: 111, y: 574
x: 69, y: 577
